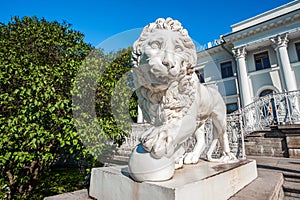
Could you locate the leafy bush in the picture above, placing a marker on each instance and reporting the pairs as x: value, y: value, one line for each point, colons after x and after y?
x: 57, y: 181
x: 38, y: 62
x: 116, y: 103
x: 104, y: 104
x: 56, y: 94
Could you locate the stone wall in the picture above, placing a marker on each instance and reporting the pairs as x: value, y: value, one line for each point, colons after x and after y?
x: 262, y: 146
x: 284, y: 141
x: 293, y: 142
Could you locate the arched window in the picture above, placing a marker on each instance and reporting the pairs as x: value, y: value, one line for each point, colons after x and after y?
x: 266, y: 92
x: 269, y: 108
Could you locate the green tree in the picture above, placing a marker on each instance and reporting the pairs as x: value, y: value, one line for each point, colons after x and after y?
x: 116, y: 103
x: 56, y: 94
x: 38, y: 64
x: 104, y: 102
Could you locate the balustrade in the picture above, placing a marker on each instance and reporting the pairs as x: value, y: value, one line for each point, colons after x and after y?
x: 270, y: 110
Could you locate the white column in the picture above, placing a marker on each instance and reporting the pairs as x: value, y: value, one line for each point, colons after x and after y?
x: 280, y: 42
x: 240, y: 54
x: 140, y: 118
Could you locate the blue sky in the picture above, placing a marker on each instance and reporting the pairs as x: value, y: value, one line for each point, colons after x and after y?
x: 111, y: 24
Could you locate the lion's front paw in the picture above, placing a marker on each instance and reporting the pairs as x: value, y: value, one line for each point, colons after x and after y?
x: 163, y: 146
x: 191, y: 158
x: 157, y: 141
x: 149, y: 138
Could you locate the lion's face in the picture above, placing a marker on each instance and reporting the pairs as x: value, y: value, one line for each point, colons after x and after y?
x: 163, y: 55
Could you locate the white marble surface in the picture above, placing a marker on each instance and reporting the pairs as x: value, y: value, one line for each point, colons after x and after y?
x: 173, y: 100
x: 205, y: 180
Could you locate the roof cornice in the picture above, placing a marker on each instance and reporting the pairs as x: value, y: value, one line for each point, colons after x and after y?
x: 283, y: 20
x: 271, y: 14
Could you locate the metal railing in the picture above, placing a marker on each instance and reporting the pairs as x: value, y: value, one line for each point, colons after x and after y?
x: 261, y: 115
x: 271, y: 110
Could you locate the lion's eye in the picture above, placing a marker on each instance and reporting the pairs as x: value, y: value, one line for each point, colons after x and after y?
x: 155, y: 45
x: 178, y: 48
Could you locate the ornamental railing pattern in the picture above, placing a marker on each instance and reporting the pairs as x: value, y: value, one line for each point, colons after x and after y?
x: 234, y: 130
x: 235, y: 136
x: 271, y: 110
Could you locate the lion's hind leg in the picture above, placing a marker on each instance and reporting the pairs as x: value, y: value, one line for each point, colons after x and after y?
x: 219, y: 134
x: 213, y: 144
x: 193, y: 157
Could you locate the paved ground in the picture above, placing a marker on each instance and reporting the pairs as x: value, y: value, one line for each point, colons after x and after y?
x: 287, y: 165
x: 267, y: 186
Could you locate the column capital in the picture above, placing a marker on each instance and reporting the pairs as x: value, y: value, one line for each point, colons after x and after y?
x: 280, y: 40
x: 239, y: 52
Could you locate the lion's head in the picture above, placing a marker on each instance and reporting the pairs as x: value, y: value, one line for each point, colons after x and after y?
x: 163, y: 57
x: 163, y: 53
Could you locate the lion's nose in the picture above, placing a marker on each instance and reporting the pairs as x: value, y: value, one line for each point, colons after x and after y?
x: 167, y: 64
x: 168, y: 60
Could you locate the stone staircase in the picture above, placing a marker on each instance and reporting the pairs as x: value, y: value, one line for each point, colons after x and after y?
x: 122, y: 154
x: 291, y: 186
x: 280, y: 141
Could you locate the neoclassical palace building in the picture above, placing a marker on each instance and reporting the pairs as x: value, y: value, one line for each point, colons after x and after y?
x: 260, y: 56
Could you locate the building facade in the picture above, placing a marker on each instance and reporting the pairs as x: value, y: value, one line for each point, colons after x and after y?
x: 260, y: 56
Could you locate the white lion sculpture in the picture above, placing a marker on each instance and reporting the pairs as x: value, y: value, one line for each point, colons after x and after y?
x: 173, y: 100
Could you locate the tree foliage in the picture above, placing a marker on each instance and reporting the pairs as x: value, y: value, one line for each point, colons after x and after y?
x: 116, y: 102
x: 56, y: 94
x: 104, y: 104
x: 38, y: 63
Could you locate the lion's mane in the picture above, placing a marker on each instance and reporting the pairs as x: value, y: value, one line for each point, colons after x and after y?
x: 165, y: 105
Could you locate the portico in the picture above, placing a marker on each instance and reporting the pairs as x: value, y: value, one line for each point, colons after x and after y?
x: 264, y: 53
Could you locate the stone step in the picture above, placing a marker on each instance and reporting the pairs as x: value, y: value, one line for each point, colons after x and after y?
x: 295, y: 180
x: 121, y: 158
x: 123, y: 153
x: 291, y: 177
x: 291, y: 186
x: 268, y: 185
x: 125, y: 148
x: 293, y: 196
x: 291, y: 189
x: 290, y: 198
x: 76, y: 195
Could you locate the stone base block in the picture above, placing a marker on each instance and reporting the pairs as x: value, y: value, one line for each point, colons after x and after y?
x: 293, y: 142
x: 294, y: 153
x: 206, y: 180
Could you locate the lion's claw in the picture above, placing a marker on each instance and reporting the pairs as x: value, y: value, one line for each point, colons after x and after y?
x: 191, y: 158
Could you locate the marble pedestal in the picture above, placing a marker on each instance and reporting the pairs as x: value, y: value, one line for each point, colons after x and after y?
x: 205, y: 180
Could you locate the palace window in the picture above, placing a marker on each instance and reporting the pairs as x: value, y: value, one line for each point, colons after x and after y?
x: 231, y: 107
x: 262, y: 61
x: 200, y: 74
x: 266, y: 92
x: 298, y: 50
x: 226, y: 69
x: 269, y: 108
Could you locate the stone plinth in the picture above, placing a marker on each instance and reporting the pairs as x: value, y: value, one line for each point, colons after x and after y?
x: 205, y: 180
